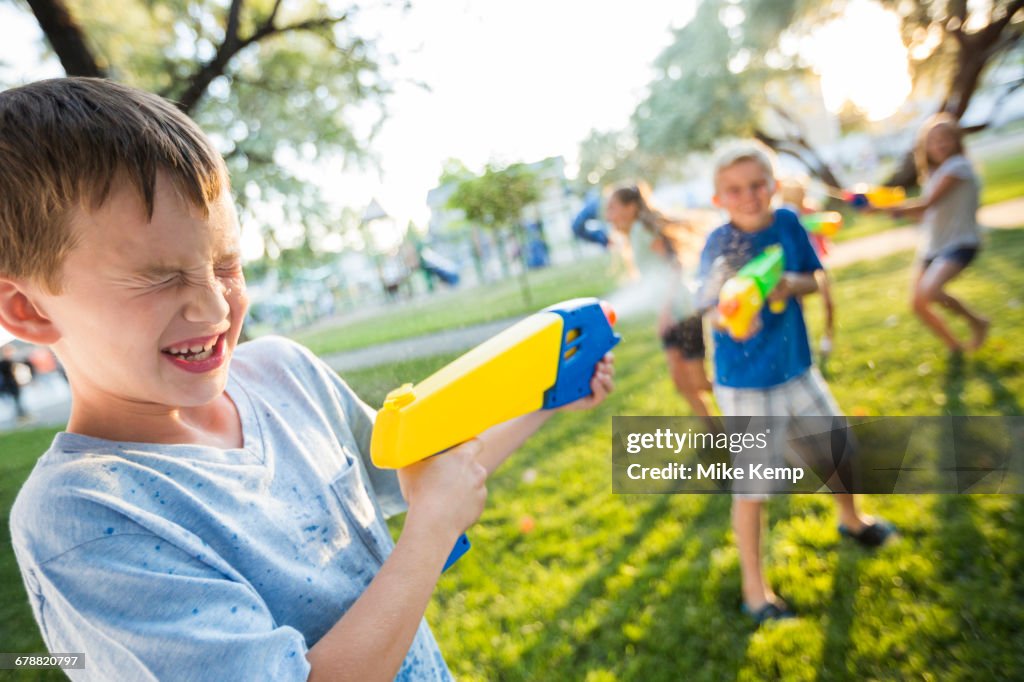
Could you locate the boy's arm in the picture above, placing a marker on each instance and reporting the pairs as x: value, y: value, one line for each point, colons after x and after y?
x: 794, y: 284
x: 500, y: 441
x: 446, y: 495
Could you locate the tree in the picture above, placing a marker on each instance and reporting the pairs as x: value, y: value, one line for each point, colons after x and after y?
x: 712, y: 84
x: 612, y: 157
x: 495, y: 199
x: 956, y: 43
x: 276, y: 85
x: 713, y: 79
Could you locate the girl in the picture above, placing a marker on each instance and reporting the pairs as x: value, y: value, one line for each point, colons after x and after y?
x: 661, y: 247
x: 948, y: 209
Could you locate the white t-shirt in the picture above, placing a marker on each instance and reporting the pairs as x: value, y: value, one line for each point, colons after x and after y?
x: 952, y: 222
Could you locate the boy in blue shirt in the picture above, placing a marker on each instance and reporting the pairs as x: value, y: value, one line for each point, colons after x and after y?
x: 210, y: 512
x: 768, y: 373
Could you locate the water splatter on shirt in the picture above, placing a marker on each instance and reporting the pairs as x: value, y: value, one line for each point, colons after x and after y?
x: 291, y: 525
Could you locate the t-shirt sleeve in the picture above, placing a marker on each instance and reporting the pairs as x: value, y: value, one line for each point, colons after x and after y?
x: 958, y: 167
x: 140, y: 608
x: 804, y: 258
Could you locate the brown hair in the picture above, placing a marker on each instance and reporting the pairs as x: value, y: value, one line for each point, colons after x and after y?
x: 65, y: 142
x: 675, y: 235
x: 925, y: 165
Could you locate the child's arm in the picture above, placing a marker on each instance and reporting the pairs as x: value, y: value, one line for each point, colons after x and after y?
x: 793, y: 284
x: 916, y: 208
x: 446, y: 495
x: 500, y: 441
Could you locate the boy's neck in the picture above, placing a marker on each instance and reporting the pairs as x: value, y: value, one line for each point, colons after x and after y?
x: 763, y: 224
x: 216, y: 424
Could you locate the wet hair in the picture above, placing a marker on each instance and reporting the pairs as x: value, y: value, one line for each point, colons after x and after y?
x: 65, y: 143
x: 925, y: 165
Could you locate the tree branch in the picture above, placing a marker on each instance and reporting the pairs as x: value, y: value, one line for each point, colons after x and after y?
x: 233, y: 44
x: 66, y: 38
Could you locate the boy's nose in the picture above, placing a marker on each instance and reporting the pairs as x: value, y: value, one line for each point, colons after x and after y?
x: 207, y: 302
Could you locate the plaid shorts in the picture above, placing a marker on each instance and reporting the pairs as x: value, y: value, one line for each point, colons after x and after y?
x: 818, y: 440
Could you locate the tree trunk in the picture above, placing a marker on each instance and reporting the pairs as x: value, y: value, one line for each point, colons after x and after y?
x: 66, y: 38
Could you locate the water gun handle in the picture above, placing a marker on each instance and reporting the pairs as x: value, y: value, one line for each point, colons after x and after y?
x: 461, y: 547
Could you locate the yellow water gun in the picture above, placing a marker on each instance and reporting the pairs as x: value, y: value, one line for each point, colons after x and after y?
x: 743, y: 295
x: 863, y: 196
x: 543, y: 361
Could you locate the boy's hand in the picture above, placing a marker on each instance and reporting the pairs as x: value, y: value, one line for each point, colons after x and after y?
x: 447, y: 492
x: 602, y: 383
x: 783, y: 290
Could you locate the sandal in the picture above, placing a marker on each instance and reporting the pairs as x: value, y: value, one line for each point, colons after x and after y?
x: 773, y: 610
x: 872, y: 535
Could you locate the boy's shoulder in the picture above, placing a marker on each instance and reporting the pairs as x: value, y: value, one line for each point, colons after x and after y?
x: 718, y: 237
x: 66, y: 501
x: 272, y: 349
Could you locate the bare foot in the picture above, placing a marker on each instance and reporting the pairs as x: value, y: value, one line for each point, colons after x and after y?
x: 979, y: 334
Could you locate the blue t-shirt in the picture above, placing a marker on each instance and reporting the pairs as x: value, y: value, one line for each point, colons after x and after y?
x: 779, y: 351
x: 177, y: 562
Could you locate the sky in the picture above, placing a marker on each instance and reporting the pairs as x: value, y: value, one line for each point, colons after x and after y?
x: 525, y: 80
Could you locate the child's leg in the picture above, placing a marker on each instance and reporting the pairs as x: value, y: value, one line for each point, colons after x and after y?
x: 932, y: 285
x: 923, y: 297
x: 747, y: 522
x: 848, y: 514
x: 690, y: 380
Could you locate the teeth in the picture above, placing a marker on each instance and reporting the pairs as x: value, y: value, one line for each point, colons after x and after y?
x: 182, y: 350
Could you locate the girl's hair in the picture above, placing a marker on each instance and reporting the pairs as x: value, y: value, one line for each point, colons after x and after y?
x: 676, y: 236
x: 925, y: 165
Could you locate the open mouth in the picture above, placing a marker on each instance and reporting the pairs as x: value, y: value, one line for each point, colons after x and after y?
x: 196, y: 350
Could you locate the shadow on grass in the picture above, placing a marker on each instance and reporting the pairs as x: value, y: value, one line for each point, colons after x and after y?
x: 647, y: 631
x: 953, y: 383
x: 1004, y: 401
x: 841, y: 615
x: 981, y: 574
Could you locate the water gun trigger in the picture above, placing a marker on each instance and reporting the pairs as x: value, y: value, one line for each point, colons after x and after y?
x: 777, y: 307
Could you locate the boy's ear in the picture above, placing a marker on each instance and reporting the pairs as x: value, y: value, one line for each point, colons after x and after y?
x: 716, y: 201
x: 22, y: 317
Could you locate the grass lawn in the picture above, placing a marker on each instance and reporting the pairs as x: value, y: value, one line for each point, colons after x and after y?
x: 465, y: 307
x: 646, y: 588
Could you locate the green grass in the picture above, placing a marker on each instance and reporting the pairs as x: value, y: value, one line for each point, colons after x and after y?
x: 18, y: 630
x: 611, y: 587
x: 465, y: 307
x: 1002, y: 178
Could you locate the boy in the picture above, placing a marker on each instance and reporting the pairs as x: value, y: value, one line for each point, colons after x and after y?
x: 210, y: 511
x: 769, y: 373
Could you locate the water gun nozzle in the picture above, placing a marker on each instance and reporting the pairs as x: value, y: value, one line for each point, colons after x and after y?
x: 609, y: 312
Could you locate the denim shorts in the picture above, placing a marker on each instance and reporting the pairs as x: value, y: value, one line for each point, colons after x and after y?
x: 962, y: 255
x: 687, y: 336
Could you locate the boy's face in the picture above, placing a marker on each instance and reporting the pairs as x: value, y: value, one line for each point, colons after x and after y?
x: 745, y: 190
x: 135, y: 290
